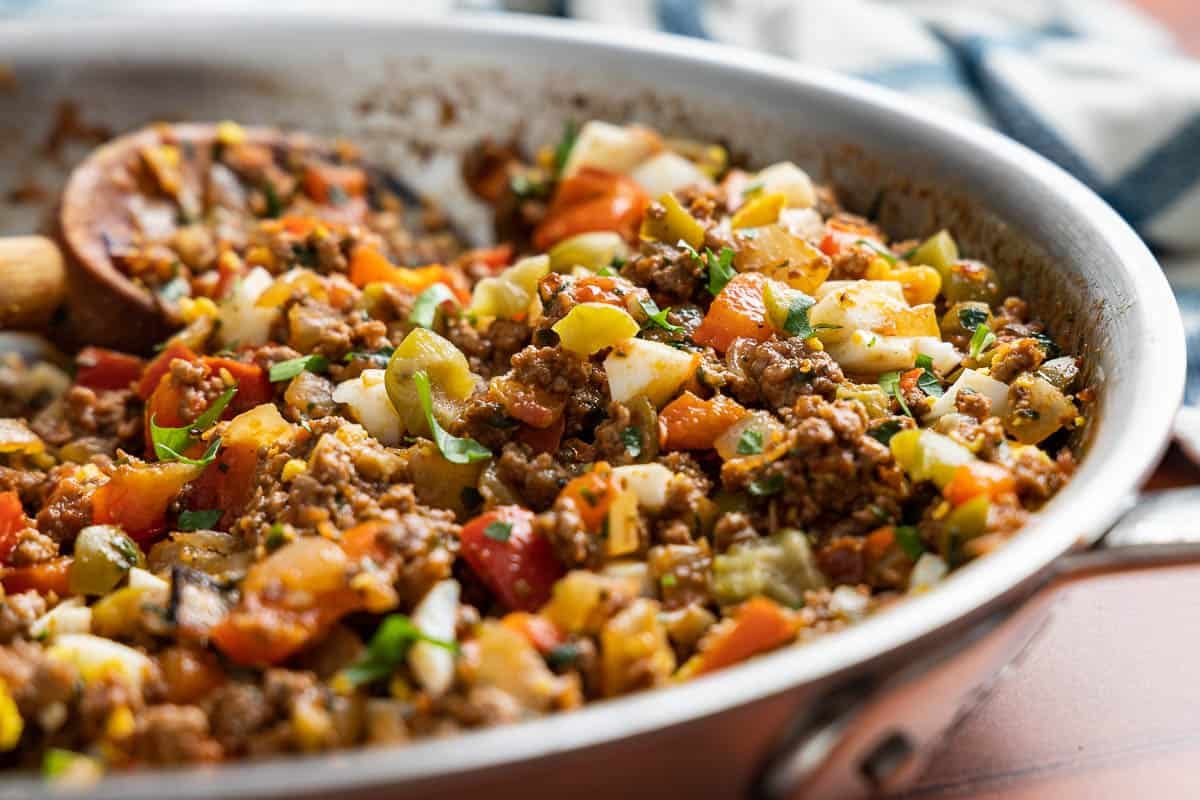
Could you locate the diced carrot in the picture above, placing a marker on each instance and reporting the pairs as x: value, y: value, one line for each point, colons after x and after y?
x: 319, y: 179
x: 592, y: 200
x: 738, y: 311
x: 978, y: 478
x: 99, y: 368
x: 537, y: 630
x: 591, y: 494
x: 908, y: 379
x: 159, y: 367
x: 368, y: 265
x: 878, y: 543
x: 759, y: 626
x: 12, y: 522
x: 254, y: 387
x: 694, y: 424
x: 260, y: 634
x: 136, y: 497
x: 227, y: 482
x: 45, y: 577
x: 362, y: 541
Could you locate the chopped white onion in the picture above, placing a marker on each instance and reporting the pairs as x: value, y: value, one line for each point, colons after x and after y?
x: 368, y: 400
x: 648, y: 481
x: 848, y: 602
x: 611, y: 147
x: 928, y: 571
x: 975, y: 381
x: 943, y: 355
x: 668, y: 172
x: 243, y: 322
x: 792, y: 181
x: 436, y: 616
x: 69, y: 616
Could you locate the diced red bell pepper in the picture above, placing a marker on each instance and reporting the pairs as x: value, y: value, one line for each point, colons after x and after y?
x: 103, y: 369
x: 12, y: 522
x: 44, y: 577
x: 978, y: 478
x: 519, y: 567
x: 226, y: 483
x: 592, y: 494
x: 543, y: 440
x: 136, y: 497
x: 592, y: 200
x: 738, y: 311
x: 159, y: 367
x: 254, y: 387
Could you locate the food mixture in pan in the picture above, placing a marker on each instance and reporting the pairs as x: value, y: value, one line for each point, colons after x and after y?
x: 380, y: 486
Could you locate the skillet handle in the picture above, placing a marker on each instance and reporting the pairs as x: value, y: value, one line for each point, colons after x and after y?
x: 873, y: 734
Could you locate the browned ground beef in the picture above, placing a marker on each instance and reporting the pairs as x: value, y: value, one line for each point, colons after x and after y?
x: 778, y: 371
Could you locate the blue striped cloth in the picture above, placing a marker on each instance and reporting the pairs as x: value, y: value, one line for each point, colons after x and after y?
x: 1095, y: 85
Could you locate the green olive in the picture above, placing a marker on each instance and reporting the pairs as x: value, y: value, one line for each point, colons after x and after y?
x: 971, y: 280
x: 103, y: 556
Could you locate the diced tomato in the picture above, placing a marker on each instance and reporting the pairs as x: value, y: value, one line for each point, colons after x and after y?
x: 160, y: 366
x: 495, y: 258
x: 908, y: 379
x: 532, y: 405
x: 12, y: 522
x: 978, y: 478
x: 368, y: 265
x: 537, y: 630
x: 254, y: 387
x: 690, y: 423
x: 543, y: 440
x: 136, y: 497
x: 598, y: 289
x: 760, y: 625
x: 319, y: 179
x: 592, y: 493
x: 362, y: 541
x: 45, y: 577
x: 260, y: 634
x: 226, y: 483
x: 102, y: 369
x: 738, y: 311
x: 519, y: 568
x: 592, y: 200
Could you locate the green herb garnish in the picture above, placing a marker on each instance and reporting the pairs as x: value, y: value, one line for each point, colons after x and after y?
x: 388, y: 648
x: 605, y: 272
x: 886, y: 255
x: 565, y: 145
x: 797, y: 322
x: 884, y: 431
x: 379, y: 357
x: 752, y: 190
x: 981, y: 340
x: 720, y: 269
x: 274, y: 204
x: 910, y: 541
x: 668, y: 581
x: 170, y: 443
x: 658, y: 316
x: 428, y: 302
x: 750, y: 442
x: 764, y: 487
x: 286, y: 370
x: 928, y: 382
x: 564, y: 655
x: 971, y: 318
x: 498, y: 531
x: 276, y: 538
x: 455, y: 449
x: 201, y: 520
x: 524, y: 187
x: 631, y: 437
x: 890, y: 383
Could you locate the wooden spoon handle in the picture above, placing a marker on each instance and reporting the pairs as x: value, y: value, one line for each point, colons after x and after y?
x: 33, y: 281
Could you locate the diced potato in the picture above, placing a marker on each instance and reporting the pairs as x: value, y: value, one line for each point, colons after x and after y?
x: 367, y: 397
x: 762, y: 209
x: 439, y: 482
x: 450, y: 378
x: 676, y: 224
x: 780, y: 566
x: 622, y: 524
x: 579, y: 599
x: 243, y: 322
x: 648, y: 482
x: 1036, y: 409
x: 974, y: 381
x: 788, y: 179
x: 511, y: 293
x: 891, y: 289
x: 591, y: 251
x: 301, y: 571
x: 508, y: 662
x: 861, y: 305
x: 97, y: 658
x: 668, y: 172
x: 945, y: 358
x: 634, y: 574
x: 641, y: 367
x: 806, y: 223
x: 611, y: 147
x: 920, y: 284
x: 69, y: 616
x: 784, y: 257
x: 928, y: 455
x: 435, y: 616
x: 867, y: 353
x: 118, y: 613
x: 261, y: 426
x: 591, y: 327
x: 635, y: 637
x: 938, y: 251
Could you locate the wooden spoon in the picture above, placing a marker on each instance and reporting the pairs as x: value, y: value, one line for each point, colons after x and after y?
x: 104, y: 306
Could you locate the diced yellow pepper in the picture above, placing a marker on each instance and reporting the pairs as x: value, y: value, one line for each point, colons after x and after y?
x: 230, y: 133
x: 920, y: 284
x: 589, y: 250
x: 590, y: 327
x: 450, y: 378
x: 762, y: 210
x: 11, y: 724
x: 674, y: 225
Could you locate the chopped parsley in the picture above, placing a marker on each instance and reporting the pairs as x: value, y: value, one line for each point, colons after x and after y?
x: 456, y: 450
x: 286, y: 370
x: 388, y: 648
x: 981, y: 340
x: 890, y: 383
x: 274, y: 204
x: 886, y: 255
x: 658, y: 316
x: 605, y: 272
x: 750, y: 442
x: 201, y: 520
x: 631, y: 437
x: 884, y: 431
x: 525, y: 187
x: 668, y: 581
x: 428, y: 302
x: 563, y: 655
x: 720, y: 269
x: 928, y: 382
x: 498, y: 531
x: 971, y: 318
x: 910, y: 541
x: 170, y: 443
x: 797, y: 322
x: 379, y: 357
x: 765, y: 487
x: 276, y: 538
x: 566, y: 144
x: 1046, y: 344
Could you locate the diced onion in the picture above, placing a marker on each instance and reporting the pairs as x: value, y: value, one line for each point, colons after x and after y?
x: 97, y: 658
x: 648, y: 482
x: 243, y: 322
x: 642, y: 367
x: 668, y: 172
x: 611, y: 147
x: 928, y: 571
x: 368, y: 400
x: 943, y: 355
x: 975, y: 381
x: 69, y: 616
x: 848, y: 602
x: 436, y: 616
x: 791, y: 181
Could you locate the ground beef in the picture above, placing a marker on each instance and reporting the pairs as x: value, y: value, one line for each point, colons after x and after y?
x: 610, y: 436
x: 1010, y: 359
x: 68, y: 509
x: 973, y: 404
x: 680, y: 520
x: 733, y: 527
x: 778, y: 371
x: 841, y: 560
x: 536, y: 479
x: 1038, y: 477
x: 314, y: 327
x: 835, y: 480
x: 113, y: 418
x: 17, y: 612
x: 673, y: 275
x: 489, y: 351
x: 32, y: 547
x: 423, y: 545
x: 32, y: 485
x: 42, y: 687
x: 556, y: 378
x: 237, y: 711
x: 170, y: 734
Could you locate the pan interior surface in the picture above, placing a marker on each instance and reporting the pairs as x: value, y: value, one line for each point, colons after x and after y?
x: 416, y: 95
